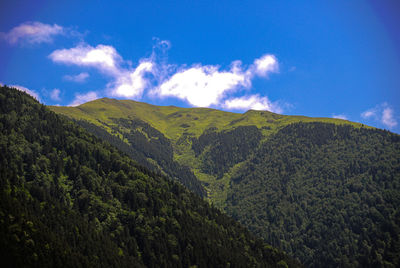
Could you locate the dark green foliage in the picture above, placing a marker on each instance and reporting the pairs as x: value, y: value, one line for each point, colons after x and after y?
x: 221, y: 150
x: 69, y: 200
x: 143, y: 143
x: 327, y: 194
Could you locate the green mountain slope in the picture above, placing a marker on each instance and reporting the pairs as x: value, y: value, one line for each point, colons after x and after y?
x: 325, y: 190
x: 68, y: 199
x: 180, y: 126
x: 173, y: 121
x: 148, y: 147
x: 327, y: 194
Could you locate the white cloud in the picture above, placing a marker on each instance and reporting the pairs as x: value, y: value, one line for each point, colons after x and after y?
x: 79, y: 78
x: 369, y: 113
x: 204, y: 86
x: 253, y: 102
x: 82, y: 98
x: 340, y: 116
x: 264, y: 65
x: 201, y: 86
x: 55, y: 94
x: 132, y: 83
x: 127, y: 82
x: 32, y: 32
x: 102, y: 57
x: 29, y: 91
x: 382, y: 113
x: 388, y: 117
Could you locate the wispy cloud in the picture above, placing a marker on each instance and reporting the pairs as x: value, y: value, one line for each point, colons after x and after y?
x: 388, y: 117
x: 82, y: 98
x: 340, y: 116
x: 383, y: 113
x: 253, y: 102
x: 31, y: 92
x: 199, y: 85
x: 79, y: 78
x: 55, y: 94
x: 126, y: 81
x: 33, y: 33
x: 371, y: 113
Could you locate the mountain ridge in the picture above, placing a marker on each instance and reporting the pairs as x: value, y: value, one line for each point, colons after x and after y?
x: 181, y: 126
x: 69, y: 199
x: 275, y: 174
x: 161, y: 112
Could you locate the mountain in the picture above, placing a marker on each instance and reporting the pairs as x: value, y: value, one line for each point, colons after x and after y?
x: 328, y: 194
x: 68, y: 199
x: 325, y: 190
x: 140, y: 126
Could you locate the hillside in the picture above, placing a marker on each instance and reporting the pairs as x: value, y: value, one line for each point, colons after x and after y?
x: 179, y: 127
x: 325, y: 190
x: 329, y: 195
x: 68, y: 199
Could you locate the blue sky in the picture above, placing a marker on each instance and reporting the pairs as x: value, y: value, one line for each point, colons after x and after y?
x: 313, y: 58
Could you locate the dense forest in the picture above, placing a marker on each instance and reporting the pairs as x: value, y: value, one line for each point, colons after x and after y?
x: 327, y: 194
x: 219, y: 151
x: 69, y: 199
x: 324, y: 190
x: 148, y: 147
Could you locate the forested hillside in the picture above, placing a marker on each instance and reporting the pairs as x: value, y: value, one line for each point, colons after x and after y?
x: 323, y: 189
x: 68, y: 199
x: 148, y: 147
x: 207, y: 145
x: 327, y: 194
